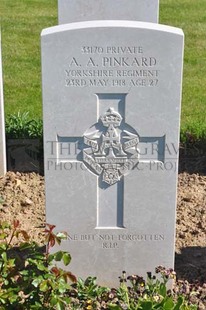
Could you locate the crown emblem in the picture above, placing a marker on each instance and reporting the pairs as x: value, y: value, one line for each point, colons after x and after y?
x: 112, y: 151
x: 111, y: 117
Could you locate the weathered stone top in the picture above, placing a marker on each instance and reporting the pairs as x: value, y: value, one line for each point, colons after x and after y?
x: 112, y: 23
x: 70, y: 11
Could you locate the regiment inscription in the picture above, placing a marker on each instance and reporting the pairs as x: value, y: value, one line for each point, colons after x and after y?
x: 121, y: 66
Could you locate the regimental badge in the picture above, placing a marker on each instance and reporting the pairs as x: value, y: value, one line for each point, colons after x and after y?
x: 111, y: 150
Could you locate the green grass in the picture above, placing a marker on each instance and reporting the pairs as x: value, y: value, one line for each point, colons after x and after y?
x: 190, y: 16
x: 21, y: 24
x: 23, y: 20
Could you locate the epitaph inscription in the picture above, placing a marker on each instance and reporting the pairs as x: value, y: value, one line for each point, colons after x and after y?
x: 114, y: 241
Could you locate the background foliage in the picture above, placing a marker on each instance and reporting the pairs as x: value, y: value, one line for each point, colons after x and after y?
x: 23, y: 20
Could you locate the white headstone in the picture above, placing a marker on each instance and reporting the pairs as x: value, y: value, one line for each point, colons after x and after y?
x: 111, y: 97
x: 80, y: 10
x: 2, y: 124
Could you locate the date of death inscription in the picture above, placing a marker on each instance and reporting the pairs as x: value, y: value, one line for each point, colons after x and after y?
x: 114, y: 241
x: 111, y: 66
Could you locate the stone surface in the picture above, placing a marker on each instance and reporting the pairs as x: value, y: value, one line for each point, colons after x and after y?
x: 111, y: 124
x: 80, y: 10
x: 2, y: 125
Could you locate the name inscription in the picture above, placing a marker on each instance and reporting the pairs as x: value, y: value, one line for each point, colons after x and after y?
x: 113, y: 241
x: 112, y: 66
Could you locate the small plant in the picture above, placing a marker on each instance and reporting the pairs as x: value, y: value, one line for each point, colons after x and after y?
x: 150, y: 294
x: 134, y: 293
x: 87, y: 294
x: 29, y: 278
x: 20, y: 126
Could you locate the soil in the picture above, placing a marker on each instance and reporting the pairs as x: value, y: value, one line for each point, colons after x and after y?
x: 22, y: 197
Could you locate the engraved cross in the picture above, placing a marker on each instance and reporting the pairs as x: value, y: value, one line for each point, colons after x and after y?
x: 110, y: 150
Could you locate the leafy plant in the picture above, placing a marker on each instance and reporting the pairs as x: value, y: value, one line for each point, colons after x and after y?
x: 134, y: 293
x: 149, y: 295
x: 21, y: 126
x: 29, y: 278
x: 87, y: 294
